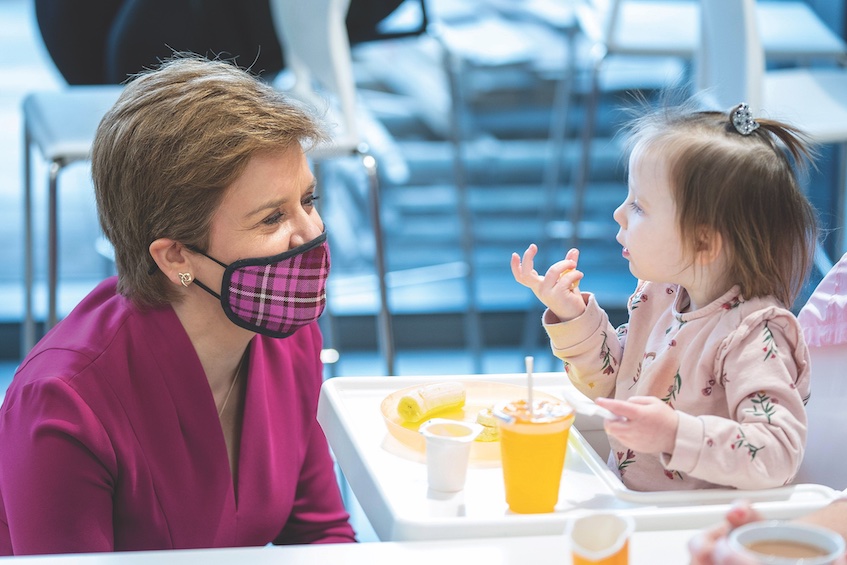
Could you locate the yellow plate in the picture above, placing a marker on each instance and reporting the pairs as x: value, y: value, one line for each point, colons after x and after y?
x: 478, y: 395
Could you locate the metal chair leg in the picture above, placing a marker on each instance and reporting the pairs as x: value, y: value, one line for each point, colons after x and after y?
x: 384, y: 325
x: 53, y: 246
x: 552, y: 174
x: 473, y: 325
x: 558, y: 134
x: 327, y: 321
x: 28, y: 329
x: 582, y: 170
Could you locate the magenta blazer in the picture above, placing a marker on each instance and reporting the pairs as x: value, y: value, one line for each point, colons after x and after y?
x: 110, y: 440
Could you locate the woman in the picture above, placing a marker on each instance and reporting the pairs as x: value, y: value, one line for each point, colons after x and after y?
x: 175, y: 406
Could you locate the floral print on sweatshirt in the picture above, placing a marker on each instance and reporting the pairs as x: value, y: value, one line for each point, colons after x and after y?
x: 736, y: 370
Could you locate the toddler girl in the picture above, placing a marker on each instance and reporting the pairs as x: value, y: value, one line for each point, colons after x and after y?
x: 711, y: 373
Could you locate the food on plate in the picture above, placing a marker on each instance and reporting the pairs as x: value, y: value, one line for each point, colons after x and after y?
x: 486, y: 419
x: 427, y: 400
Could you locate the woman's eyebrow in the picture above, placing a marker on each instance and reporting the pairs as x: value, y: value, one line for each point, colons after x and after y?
x: 280, y: 201
x: 267, y: 206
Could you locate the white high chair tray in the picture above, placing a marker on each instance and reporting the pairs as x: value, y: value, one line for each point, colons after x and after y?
x: 388, y: 475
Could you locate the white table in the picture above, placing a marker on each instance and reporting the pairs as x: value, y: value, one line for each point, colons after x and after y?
x: 646, y: 548
x: 388, y: 476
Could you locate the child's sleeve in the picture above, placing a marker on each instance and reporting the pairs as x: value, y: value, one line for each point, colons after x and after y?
x: 590, y: 347
x: 764, y: 368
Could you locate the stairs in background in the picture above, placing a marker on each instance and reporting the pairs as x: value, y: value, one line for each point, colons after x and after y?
x: 506, y: 127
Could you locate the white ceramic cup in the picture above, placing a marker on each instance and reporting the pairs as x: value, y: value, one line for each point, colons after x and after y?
x: 784, y: 543
x: 448, y: 449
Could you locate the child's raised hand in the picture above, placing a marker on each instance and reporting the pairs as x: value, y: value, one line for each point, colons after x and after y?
x: 558, y: 289
x: 646, y: 423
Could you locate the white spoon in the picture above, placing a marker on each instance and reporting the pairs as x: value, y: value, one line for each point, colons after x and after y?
x: 585, y: 405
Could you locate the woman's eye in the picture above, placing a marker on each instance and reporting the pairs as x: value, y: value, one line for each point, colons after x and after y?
x: 309, y: 201
x: 272, y: 219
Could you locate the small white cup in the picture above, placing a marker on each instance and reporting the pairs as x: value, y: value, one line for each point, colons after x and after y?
x: 448, y: 448
x: 775, y: 537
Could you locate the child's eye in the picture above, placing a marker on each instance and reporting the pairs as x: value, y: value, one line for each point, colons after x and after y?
x: 635, y: 207
x: 273, y: 219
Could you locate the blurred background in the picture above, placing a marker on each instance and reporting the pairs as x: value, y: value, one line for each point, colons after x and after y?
x: 476, y: 122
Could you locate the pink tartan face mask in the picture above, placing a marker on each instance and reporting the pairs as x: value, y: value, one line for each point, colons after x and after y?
x: 277, y: 295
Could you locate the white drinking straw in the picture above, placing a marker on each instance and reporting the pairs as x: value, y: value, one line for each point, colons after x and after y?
x: 528, y: 363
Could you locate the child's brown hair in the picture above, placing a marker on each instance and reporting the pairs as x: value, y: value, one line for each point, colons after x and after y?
x: 744, y: 187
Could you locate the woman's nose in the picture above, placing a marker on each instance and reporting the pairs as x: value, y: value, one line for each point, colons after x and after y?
x: 309, y: 226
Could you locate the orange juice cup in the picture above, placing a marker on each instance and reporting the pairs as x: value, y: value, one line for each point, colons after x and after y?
x: 533, y: 445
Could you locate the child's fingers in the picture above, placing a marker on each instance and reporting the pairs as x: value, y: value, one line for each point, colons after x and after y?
x: 566, y: 266
x: 523, y: 267
x: 579, y: 276
x: 515, y: 264
x: 616, y: 407
x: 557, y: 271
x: 527, y: 261
x: 613, y: 404
x: 569, y: 277
x: 630, y: 409
x: 643, y: 400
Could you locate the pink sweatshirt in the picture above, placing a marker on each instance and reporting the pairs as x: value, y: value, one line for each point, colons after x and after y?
x: 736, y: 370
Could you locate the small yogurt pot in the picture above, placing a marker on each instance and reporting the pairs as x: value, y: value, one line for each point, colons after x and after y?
x: 448, y: 448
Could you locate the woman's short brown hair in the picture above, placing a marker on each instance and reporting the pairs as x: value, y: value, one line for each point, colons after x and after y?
x: 163, y: 156
x: 744, y: 187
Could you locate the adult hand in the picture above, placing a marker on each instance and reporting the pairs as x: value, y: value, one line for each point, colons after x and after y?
x: 710, y: 547
x: 558, y: 289
x: 645, y: 423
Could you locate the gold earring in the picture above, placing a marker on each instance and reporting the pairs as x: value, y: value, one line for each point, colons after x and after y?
x: 185, y: 279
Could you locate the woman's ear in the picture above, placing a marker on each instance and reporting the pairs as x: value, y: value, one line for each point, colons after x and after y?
x: 171, y: 258
x: 709, y: 245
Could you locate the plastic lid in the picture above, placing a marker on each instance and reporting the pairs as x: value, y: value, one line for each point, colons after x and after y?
x: 542, y: 411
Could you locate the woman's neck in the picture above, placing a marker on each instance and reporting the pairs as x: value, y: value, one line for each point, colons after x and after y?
x: 219, y: 343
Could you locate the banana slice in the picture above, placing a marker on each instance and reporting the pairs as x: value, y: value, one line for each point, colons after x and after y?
x: 430, y: 399
x: 489, y: 426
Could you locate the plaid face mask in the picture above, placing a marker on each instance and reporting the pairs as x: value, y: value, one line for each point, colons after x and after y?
x: 277, y: 295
